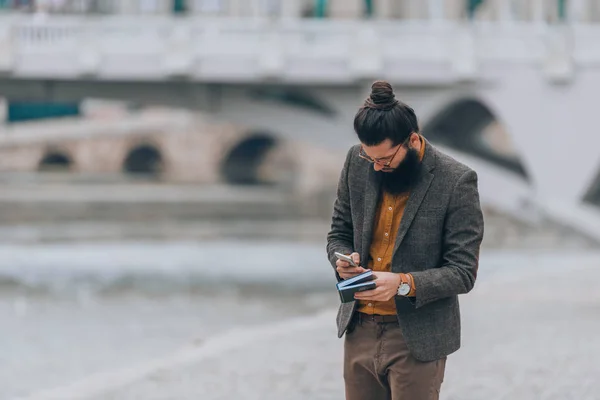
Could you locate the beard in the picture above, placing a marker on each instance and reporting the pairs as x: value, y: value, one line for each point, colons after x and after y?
x: 405, y: 176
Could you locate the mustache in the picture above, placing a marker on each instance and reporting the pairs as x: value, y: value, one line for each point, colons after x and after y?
x: 404, y: 176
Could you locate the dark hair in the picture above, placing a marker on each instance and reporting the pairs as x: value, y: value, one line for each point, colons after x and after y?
x: 383, y: 117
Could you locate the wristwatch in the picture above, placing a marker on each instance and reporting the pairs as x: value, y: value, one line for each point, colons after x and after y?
x: 404, y: 288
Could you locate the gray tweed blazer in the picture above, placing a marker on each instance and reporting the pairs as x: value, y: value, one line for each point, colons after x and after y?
x: 438, y: 242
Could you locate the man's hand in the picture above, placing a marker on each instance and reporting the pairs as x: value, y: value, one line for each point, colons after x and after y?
x: 348, y: 271
x: 387, y: 287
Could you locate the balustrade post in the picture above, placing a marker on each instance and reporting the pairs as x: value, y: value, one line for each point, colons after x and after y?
x: 179, y: 59
x: 383, y: 9
x: 257, y: 8
x: 210, y: 7
x: 576, y: 10
x: 346, y: 8
x: 242, y: 8
x: 503, y: 11
x: 435, y: 10
x: 127, y: 7
x: 234, y: 8
x: 88, y: 53
x: 6, y: 48
x: 538, y: 11
x: 291, y: 9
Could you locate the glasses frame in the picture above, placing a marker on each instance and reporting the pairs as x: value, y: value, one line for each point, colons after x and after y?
x: 365, y: 156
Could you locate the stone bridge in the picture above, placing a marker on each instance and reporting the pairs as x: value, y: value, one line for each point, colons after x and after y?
x: 509, y: 97
x: 173, y: 146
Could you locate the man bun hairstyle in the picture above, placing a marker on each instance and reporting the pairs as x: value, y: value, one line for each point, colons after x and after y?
x: 383, y: 117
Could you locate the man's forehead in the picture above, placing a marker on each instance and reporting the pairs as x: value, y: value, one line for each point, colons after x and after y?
x: 383, y: 149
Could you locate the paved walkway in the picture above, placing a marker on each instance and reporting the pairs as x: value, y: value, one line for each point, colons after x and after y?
x: 527, y: 334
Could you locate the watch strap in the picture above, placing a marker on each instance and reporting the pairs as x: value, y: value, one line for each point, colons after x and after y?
x: 407, y: 279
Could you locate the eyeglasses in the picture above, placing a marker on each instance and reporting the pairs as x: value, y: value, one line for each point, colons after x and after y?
x: 379, y: 161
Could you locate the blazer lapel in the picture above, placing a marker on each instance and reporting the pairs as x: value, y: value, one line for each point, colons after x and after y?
x: 371, y: 198
x: 416, y: 196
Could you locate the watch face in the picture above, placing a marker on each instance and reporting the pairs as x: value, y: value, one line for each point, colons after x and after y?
x: 404, y: 289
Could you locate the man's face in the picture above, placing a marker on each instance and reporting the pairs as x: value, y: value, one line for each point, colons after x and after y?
x: 400, y: 164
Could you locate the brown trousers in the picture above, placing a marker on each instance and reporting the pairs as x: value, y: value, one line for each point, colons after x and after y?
x: 379, y: 366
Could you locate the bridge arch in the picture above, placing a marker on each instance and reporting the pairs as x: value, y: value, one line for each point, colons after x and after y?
x: 294, y: 98
x: 593, y: 194
x: 468, y: 125
x: 144, y: 160
x: 259, y: 158
x: 55, y: 161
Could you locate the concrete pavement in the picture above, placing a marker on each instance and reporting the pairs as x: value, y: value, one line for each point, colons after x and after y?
x: 528, y: 333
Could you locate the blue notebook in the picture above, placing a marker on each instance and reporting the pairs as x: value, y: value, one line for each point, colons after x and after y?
x: 359, y: 283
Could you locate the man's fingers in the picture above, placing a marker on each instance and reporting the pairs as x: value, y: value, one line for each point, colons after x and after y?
x: 350, y: 270
x: 345, y: 273
x: 368, y: 294
x: 345, y: 264
x: 356, y: 258
x: 346, y: 276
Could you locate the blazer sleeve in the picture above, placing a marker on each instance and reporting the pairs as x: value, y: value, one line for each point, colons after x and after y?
x: 462, y: 237
x: 341, y: 234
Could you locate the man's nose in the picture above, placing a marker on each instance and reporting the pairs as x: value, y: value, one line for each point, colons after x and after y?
x: 377, y: 167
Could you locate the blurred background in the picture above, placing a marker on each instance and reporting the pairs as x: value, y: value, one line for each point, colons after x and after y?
x: 168, y: 170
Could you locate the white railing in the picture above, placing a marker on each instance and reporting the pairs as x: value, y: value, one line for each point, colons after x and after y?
x: 496, y: 10
x: 294, y: 50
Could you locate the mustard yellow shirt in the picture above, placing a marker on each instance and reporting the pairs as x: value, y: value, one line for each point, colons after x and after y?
x: 387, y: 222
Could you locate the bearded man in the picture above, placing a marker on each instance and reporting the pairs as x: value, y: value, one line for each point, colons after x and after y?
x: 411, y: 214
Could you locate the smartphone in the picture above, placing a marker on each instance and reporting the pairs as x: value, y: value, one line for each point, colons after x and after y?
x: 346, y: 258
